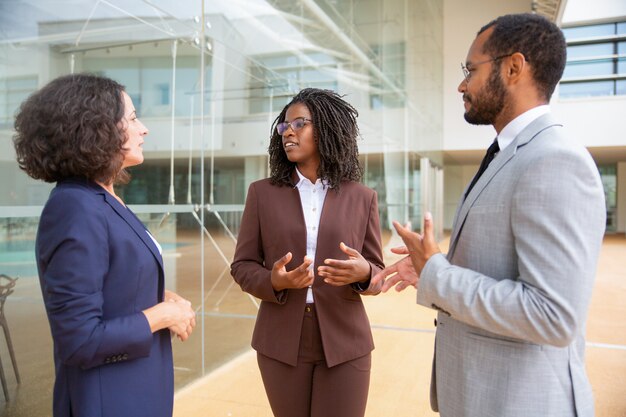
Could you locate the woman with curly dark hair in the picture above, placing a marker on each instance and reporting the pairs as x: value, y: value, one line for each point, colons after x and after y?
x: 308, y: 245
x: 100, y: 270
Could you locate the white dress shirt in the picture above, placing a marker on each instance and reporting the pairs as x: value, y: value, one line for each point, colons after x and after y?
x: 312, y: 199
x: 515, y: 126
x: 155, y: 242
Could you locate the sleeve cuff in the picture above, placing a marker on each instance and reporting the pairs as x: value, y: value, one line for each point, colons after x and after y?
x: 281, y: 296
x: 361, y: 286
x: 428, y: 277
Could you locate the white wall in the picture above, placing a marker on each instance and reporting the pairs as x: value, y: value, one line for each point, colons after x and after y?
x: 584, y: 10
x: 594, y: 122
x: 621, y: 197
x: 461, y: 21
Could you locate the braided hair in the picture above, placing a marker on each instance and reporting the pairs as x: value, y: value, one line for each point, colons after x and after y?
x: 334, y: 129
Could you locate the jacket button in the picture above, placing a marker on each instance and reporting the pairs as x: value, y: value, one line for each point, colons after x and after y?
x: 435, y: 322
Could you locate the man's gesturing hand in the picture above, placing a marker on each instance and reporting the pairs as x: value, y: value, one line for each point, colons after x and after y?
x: 420, y: 248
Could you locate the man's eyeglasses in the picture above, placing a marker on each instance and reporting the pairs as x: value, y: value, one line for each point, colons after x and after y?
x: 296, y: 124
x: 467, y: 73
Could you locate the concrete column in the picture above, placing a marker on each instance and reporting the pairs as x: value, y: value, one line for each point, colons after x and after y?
x: 255, y: 168
x: 395, y: 170
x: 621, y: 197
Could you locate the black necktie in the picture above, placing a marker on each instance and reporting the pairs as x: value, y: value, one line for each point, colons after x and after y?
x: 491, y: 152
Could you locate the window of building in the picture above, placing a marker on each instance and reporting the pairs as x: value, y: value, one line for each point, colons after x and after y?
x: 596, y: 61
x: 608, y: 173
x: 13, y: 91
x: 147, y: 76
x: 393, y: 63
x: 275, y: 79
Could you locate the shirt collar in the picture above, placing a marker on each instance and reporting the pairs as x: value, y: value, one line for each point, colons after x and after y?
x: 515, y: 126
x: 304, y: 180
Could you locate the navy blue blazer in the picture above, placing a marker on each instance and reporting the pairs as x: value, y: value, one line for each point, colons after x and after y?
x: 98, y: 269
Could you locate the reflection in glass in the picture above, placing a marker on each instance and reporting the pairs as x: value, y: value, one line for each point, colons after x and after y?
x: 608, y: 174
x: 209, y: 129
x: 586, y: 89
x: 589, y: 51
x: 594, y: 53
x: 593, y: 31
x: 148, y: 79
x: 13, y: 91
x: 620, y: 87
x: 588, y: 68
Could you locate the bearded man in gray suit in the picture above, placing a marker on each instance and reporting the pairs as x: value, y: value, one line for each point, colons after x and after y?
x: 514, y: 289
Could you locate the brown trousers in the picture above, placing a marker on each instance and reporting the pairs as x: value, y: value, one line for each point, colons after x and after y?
x: 312, y: 389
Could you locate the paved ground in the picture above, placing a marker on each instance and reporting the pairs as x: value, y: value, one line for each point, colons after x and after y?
x: 404, y: 333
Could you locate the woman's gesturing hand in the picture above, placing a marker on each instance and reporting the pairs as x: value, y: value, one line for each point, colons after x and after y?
x: 300, y: 277
x: 343, y: 272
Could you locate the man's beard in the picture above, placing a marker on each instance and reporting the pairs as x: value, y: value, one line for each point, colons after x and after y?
x: 488, y: 103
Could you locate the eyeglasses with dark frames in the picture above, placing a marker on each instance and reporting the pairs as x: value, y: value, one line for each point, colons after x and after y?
x: 467, y: 72
x: 296, y: 124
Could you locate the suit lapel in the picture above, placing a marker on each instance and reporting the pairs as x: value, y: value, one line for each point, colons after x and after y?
x: 506, y: 155
x: 134, y: 224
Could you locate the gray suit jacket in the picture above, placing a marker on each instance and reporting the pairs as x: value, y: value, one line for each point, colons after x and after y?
x: 514, y: 290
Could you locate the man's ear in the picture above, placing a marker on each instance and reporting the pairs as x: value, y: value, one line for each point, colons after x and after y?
x: 515, y: 66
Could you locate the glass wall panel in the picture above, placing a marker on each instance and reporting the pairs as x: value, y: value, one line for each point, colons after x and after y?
x: 621, y: 62
x: 592, y: 31
x: 608, y: 173
x: 588, y: 68
x: 596, y: 58
x: 586, y: 89
x: 587, y: 51
x: 208, y: 83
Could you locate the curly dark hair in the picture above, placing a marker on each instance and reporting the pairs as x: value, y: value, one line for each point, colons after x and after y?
x: 72, y: 128
x: 540, y: 41
x: 336, y: 131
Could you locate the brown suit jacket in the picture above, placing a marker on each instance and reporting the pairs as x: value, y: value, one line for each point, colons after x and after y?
x: 272, y: 225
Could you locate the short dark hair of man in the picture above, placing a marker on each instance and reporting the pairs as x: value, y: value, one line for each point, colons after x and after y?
x: 540, y: 41
x: 335, y: 130
x: 72, y: 127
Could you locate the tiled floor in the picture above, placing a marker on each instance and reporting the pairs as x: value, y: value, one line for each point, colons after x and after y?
x: 404, y: 333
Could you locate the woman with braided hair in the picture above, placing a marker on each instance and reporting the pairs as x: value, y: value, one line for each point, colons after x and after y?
x: 308, y: 245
